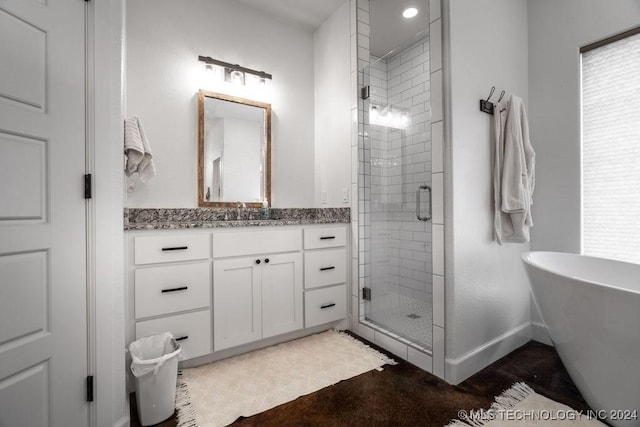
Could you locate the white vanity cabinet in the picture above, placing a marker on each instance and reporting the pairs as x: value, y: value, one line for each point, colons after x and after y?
x: 221, y: 288
x: 260, y: 295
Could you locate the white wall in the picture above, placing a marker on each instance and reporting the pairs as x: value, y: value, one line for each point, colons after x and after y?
x: 557, y: 30
x: 164, y: 39
x: 331, y: 48
x: 112, y: 404
x: 487, y: 293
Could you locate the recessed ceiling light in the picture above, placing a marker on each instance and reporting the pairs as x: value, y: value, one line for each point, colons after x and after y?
x: 410, y: 12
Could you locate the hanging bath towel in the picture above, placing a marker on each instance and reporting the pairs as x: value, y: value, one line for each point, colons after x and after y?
x: 513, y: 172
x: 138, y: 150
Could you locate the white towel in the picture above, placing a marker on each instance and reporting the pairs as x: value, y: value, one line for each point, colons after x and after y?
x: 138, y: 150
x: 513, y: 172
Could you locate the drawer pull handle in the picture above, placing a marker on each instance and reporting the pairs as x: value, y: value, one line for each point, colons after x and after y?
x: 182, y: 338
x: 175, y: 248
x: 181, y: 288
x: 327, y: 237
x: 258, y: 261
x: 328, y: 268
x: 267, y: 260
x: 328, y: 305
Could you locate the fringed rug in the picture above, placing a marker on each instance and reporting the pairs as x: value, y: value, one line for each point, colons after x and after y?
x: 218, y: 393
x: 522, y: 407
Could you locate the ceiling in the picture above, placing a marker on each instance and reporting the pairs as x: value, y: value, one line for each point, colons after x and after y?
x: 389, y: 29
x: 310, y: 14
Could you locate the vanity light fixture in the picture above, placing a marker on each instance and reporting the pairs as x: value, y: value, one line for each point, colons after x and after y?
x: 410, y: 12
x: 234, y: 73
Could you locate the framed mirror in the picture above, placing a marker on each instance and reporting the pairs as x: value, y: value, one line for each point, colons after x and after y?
x: 234, y: 151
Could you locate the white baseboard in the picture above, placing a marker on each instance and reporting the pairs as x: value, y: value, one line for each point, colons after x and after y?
x: 540, y: 333
x: 458, y: 370
x: 344, y: 324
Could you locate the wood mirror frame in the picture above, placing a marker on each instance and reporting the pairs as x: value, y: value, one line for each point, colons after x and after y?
x: 202, y: 202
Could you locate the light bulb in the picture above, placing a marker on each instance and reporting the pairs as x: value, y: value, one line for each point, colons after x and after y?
x: 237, y: 77
x: 410, y: 12
x: 373, y: 114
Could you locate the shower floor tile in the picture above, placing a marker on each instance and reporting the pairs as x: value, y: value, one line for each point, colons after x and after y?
x: 406, y: 316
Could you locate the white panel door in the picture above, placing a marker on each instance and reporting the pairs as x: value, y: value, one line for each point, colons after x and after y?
x: 281, y: 294
x: 43, y: 317
x: 237, y: 311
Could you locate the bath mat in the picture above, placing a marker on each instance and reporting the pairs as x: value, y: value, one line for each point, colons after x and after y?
x: 218, y: 393
x: 521, y: 406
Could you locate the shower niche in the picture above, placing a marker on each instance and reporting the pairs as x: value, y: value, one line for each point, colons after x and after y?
x: 400, y: 190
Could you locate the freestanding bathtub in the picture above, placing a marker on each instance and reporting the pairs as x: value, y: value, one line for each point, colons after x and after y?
x: 591, y: 307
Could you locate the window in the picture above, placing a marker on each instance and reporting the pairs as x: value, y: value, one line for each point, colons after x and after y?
x: 611, y: 148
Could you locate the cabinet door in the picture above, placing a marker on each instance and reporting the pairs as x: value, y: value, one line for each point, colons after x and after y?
x: 237, y: 310
x: 281, y: 294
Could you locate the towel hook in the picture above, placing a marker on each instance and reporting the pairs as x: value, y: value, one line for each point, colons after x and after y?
x: 493, y: 88
x: 501, y: 95
x: 486, y: 106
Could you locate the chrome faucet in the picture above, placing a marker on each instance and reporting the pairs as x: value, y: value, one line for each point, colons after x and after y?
x: 241, y: 205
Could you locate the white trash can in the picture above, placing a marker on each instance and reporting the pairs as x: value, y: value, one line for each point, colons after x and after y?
x: 155, y: 367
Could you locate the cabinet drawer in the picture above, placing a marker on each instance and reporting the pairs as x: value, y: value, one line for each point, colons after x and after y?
x: 256, y: 242
x: 325, y: 305
x: 192, y: 330
x: 165, y: 290
x: 174, y: 247
x: 326, y: 237
x: 328, y: 267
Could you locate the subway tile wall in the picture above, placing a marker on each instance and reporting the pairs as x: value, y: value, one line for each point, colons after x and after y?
x: 400, y: 161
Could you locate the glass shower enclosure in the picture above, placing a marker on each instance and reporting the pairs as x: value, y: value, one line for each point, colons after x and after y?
x: 395, y: 187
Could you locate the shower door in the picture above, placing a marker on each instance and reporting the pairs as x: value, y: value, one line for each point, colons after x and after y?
x: 395, y: 189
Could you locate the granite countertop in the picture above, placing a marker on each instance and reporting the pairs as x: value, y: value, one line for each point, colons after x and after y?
x: 173, y: 219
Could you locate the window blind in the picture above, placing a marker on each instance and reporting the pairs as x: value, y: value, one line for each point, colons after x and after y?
x: 611, y: 150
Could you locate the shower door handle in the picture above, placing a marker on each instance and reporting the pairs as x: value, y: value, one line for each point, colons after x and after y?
x: 428, y: 216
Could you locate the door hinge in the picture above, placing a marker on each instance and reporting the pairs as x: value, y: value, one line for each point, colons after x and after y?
x: 90, y: 388
x: 87, y: 186
x: 366, y: 294
x: 364, y: 92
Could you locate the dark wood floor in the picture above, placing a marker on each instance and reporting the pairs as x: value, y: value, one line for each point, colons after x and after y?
x: 403, y: 395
